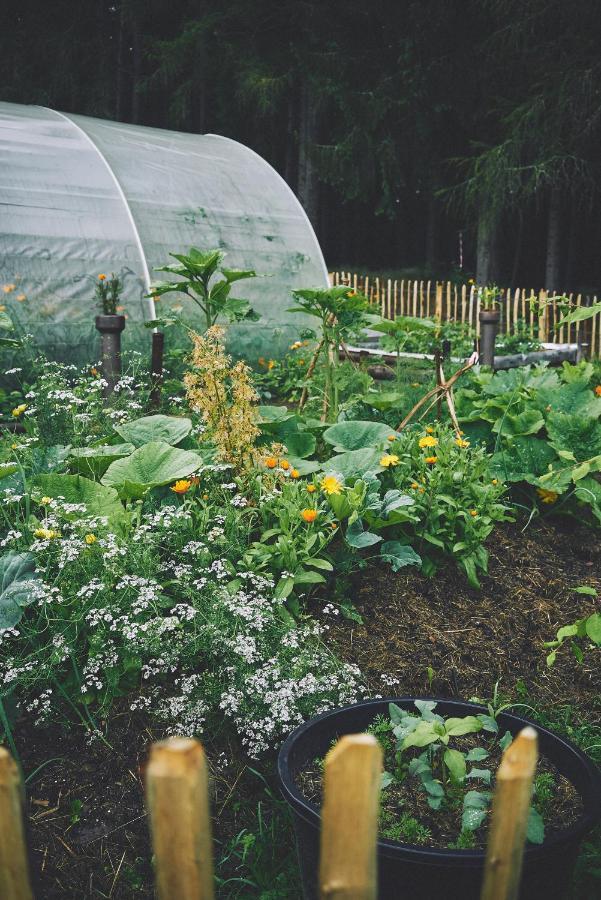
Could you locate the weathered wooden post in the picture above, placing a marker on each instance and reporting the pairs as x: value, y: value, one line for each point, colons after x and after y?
x: 510, y: 811
x: 14, y: 877
x: 349, y: 819
x: 178, y: 806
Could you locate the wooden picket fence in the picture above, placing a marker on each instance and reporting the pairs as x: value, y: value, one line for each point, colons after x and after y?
x: 446, y: 301
x: 177, y: 799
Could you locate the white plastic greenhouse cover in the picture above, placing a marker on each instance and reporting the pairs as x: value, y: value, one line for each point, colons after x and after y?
x: 80, y: 196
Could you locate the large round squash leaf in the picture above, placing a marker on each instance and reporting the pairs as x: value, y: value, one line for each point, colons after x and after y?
x: 17, y: 571
x: 98, y: 499
x: 94, y: 461
x: 354, y: 464
x: 149, y: 466
x: 355, y: 435
x: 169, y: 429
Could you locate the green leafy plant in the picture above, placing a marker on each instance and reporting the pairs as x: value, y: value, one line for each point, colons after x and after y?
x: 108, y: 294
x: 341, y: 312
x: 208, y: 283
x: 587, y: 628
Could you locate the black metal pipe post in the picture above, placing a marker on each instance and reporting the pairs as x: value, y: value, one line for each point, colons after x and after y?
x: 110, y: 328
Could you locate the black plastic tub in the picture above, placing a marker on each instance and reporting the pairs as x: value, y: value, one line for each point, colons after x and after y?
x: 405, y: 870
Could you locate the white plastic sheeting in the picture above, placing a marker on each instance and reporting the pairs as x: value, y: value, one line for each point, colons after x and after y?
x: 80, y: 196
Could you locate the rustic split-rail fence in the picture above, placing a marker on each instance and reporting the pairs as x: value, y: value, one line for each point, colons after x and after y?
x: 460, y: 303
x: 177, y: 799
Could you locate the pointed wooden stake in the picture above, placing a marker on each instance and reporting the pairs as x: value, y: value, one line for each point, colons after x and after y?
x: 178, y: 804
x: 14, y: 877
x: 349, y: 819
x: 510, y: 810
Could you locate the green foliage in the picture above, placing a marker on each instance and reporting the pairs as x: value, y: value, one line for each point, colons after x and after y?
x: 354, y: 435
x: 151, y: 465
x: 587, y: 628
x: 17, y: 580
x: 96, y: 499
x: 169, y: 429
x: 544, y: 427
x: 198, y: 271
x: 108, y: 294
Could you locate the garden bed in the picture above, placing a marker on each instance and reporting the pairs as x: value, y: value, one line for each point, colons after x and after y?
x: 87, y: 823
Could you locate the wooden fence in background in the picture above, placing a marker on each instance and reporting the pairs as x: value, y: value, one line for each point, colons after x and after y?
x: 459, y: 303
x: 177, y: 798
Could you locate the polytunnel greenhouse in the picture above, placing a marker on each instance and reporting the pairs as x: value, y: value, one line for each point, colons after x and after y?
x: 80, y: 196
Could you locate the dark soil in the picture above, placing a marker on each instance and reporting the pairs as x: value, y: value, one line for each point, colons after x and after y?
x: 440, y: 637
x: 408, y: 798
x: 87, y: 828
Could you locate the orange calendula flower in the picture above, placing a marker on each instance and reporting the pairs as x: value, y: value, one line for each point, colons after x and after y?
x: 294, y: 473
x: 205, y: 496
x: 102, y: 277
x: 431, y: 460
x: 428, y: 441
x: 473, y: 512
x: 333, y: 526
x: 309, y: 515
x: 182, y: 486
x: 392, y: 437
x: 330, y: 484
x: 461, y: 442
x: 414, y: 485
x: 284, y: 464
x: 94, y: 372
x: 20, y: 298
x: 389, y: 459
x: 429, y: 429
x: 598, y: 390
x: 271, y: 364
x: 9, y: 288
x: 261, y: 360
x: 311, y: 488
x: 271, y: 462
x: 547, y: 496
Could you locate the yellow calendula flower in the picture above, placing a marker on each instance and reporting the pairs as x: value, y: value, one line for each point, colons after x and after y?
x: 311, y: 488
x: 102, y: 277
x: 547, y: 496
x: 294, y: 473
x: 271, y: 462
x: 330, y: 484
x: 309, y: 515
x: 45, y: 501
x: 495, y: 481
x: 181, y: 486
x: 415, y: 384
x: 271, y: 364
x: 392, y: 437
x: 46, y: 534
x: 19, y: 410
x: 431, y: 460
x: 14, y: 446
x: 90, y: 539
x: 461, y: 442
x: 473, y: 512
x: 427, y: 441
x: 21, y: 297
x: 296, y: 345
x: 284, y: 464
x: 389, y: 459
x: 429, y: 429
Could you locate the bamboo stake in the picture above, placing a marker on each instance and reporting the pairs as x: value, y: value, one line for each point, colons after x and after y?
x: 178, y: 805
x: 402, y: 296
x: 389, y: 299
x: 511, y: 807
x: 542, y: 315
x: 349, y: 819
x: 428, y: 286
x: 415, y: 298
x: 516, y: 301
x: 448, y: 306
x: 421, y: 299
x: 463, y: 302
x: 395, y: 298
x: 14, y: 877
x: 470, y: 317
x: 455, y: 296
x: 438, y: 310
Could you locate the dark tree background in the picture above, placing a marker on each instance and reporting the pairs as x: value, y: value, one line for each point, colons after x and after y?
x: 408, y: 128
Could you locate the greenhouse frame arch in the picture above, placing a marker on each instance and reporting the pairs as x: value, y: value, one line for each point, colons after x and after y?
x: 81, y: 196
